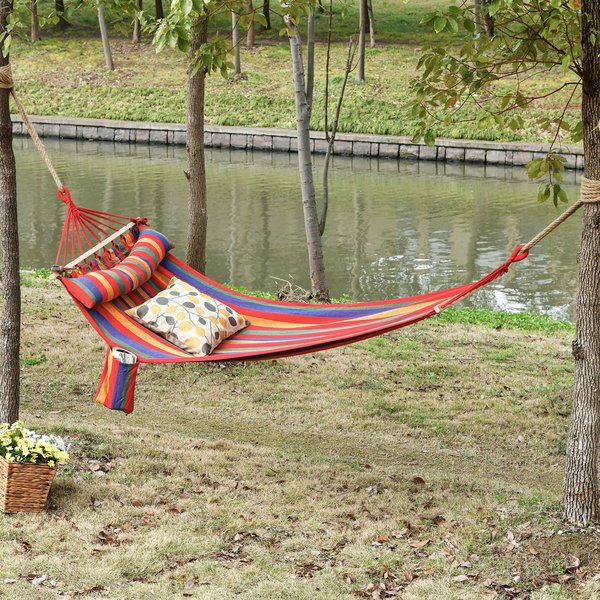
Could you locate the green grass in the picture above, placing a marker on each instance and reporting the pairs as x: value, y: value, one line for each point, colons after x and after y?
x: 64, y: 75
x: 386, y: 463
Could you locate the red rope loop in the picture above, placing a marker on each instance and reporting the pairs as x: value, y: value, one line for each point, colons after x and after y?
x: 65, y: 195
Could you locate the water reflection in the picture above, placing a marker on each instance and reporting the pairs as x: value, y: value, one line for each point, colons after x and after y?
x: 394, y: 229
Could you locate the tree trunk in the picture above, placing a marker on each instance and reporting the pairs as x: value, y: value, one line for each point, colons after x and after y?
x: 59, y: 7
x: 371, y: 23
x: 197, y: 214
x: 309, y: 204
x: 137, y: 25
x: 580, y: 496
x: 104, y: 34
x: 250, y: 34
x: 35, y: 35
x: 235, y: 41
x: 363, y: 23
x: 160, y: 14
x: 267, y: 13
x: 10, y: 323
x: 484, y: 23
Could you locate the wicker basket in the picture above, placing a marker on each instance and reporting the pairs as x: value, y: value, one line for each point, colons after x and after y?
x: 24, y: 487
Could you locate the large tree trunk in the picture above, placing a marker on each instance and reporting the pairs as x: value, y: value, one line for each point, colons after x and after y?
x: 363, y: 24
x: 160, y: 13
x: 59, y: 6
x: 235, y: 40
x: 303, y: 97
x: 105, y: 43
x: 197, y: 213
x: 137, y: 26
x: 250, y: 34
x: 10, y: 323
x: 267, y: 13
x: 35, y: 35
x: 580, y: 498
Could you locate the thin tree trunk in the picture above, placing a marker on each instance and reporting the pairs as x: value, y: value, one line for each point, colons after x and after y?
x: 362, y: 36
x: 59, y: 6
x: 331, y: 139
x: 580, y: 496
x: 197, y: 213
x: 35, y: 35
x: 10, y: 323
x: 104, y: 34
x: 250, y: 34
x: 310, y: 61
x: 137, y: 26
x: 371, y: 23
x: 311, y: 219
x: 235, y: 40
x: 267, y: 13
x: 160, y: 14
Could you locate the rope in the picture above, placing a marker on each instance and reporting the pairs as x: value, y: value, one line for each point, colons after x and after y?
x: 7, y: 83
x: 589, y: 193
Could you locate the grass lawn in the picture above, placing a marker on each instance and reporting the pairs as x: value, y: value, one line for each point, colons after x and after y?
x: 425, y: 464
x: 65, y: 75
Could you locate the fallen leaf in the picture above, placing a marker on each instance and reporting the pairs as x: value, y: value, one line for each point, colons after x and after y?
x: 460, y: 578
x: 419, y: 544
x: 532, y: 551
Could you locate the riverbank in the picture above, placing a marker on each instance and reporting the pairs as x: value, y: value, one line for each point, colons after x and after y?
x: 284, y: 140
x: 427, y: 462
x: 64, y: 75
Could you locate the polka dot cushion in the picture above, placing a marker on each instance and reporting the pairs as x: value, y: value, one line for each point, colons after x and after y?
x: 189, y: 319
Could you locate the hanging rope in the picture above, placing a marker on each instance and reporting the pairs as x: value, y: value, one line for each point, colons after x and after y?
x: 7, y: 83
x: 589, y: 193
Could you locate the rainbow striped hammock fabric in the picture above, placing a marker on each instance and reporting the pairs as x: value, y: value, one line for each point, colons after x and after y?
x: 276, y: 329
x: 140, y: 265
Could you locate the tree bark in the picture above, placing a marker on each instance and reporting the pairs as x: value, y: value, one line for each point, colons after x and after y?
x: 10, y: 324
x: 197, y: 213
x: 160, y: 14
x: 363, y: 23
x: 371, y: 23
x: 331, y: 138
x: 235, y: 40
x: 580, y: 495
x: 267, y: 13
x: 59, y: 7
x: 309, y: 204
x: 105, y: 43
x: 35, y: 35
x: 137, y: 26
x: 250, y: 34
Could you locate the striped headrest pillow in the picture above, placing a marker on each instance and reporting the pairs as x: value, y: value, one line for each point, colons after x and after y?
x: 102, y: 286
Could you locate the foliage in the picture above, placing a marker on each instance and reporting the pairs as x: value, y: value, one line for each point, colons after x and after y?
x: 487, y: 74
x: 18, y: 444
x: 175, y: 31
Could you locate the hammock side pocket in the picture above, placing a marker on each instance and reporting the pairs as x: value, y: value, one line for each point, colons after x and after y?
x: 117, y: 383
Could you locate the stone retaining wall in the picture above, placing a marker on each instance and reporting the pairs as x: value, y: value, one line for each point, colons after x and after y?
x: 284, y: 140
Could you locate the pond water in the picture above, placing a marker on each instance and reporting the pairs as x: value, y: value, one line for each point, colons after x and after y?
x: 394, y: 228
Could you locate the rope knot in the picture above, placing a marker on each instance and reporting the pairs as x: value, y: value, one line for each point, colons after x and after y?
x: 6, y: 78
x: 65, y: 195
x: 590, y: 190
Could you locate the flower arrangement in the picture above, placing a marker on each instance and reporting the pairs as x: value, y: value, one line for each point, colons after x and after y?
x: 21, y: 445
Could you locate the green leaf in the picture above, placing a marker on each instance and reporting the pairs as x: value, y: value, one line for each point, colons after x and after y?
x: 429, y: 138
x: 439, y: 24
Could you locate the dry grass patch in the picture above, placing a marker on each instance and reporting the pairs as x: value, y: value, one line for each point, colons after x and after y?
x: 424, y: 464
